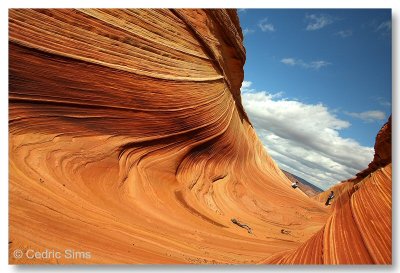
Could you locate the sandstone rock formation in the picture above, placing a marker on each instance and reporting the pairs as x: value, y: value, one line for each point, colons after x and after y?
x: 359, y: 231
x: 128, y: 140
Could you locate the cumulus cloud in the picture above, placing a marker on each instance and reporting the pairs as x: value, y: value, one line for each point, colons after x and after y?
x: 265, y: 26
x: 247, y: 31
x: 316, y: 65
x: 246, y: 86
x: 317, y: 21
x: 304, y: 138
x: 368, y: 116
x: 344, y: 33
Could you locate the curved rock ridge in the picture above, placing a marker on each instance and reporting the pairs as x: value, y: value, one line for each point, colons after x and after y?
x: 359, y: 231
x: 128, y: 140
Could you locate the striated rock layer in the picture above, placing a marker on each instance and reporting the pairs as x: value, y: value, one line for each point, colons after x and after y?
x: 128, y: 140
x: 359, y: 231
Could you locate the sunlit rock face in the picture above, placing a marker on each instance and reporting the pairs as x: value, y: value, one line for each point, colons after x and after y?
x: 128, y: 140
x: 383, y: 150
x: 359, y: 231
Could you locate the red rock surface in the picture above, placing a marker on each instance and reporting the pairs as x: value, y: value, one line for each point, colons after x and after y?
x: 128, y: 140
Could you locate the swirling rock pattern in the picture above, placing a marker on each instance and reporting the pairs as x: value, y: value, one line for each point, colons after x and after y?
x: 359, y: 231
x: 128, y: 139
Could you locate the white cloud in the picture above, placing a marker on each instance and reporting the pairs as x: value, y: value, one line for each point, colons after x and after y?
x: 289, y: 61
x: 246, y: 88
x: 383, y: 102
x: 316, y: 65
x: 368, y: 116
x: 265, y: 26
x: 248, y: 31
x: 245, y: 85
x: 385, y: 26
x: 305, y: 138
x: 317, y: 21
x: 344, y: 33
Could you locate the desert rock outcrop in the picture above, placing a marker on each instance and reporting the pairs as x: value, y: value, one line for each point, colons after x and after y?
x: 128, y: 140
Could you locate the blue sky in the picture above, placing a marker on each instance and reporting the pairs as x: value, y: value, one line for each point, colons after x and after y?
x: 334, y: 64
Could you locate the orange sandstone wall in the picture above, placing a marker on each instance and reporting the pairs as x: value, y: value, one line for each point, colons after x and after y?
x: 128, y: 140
